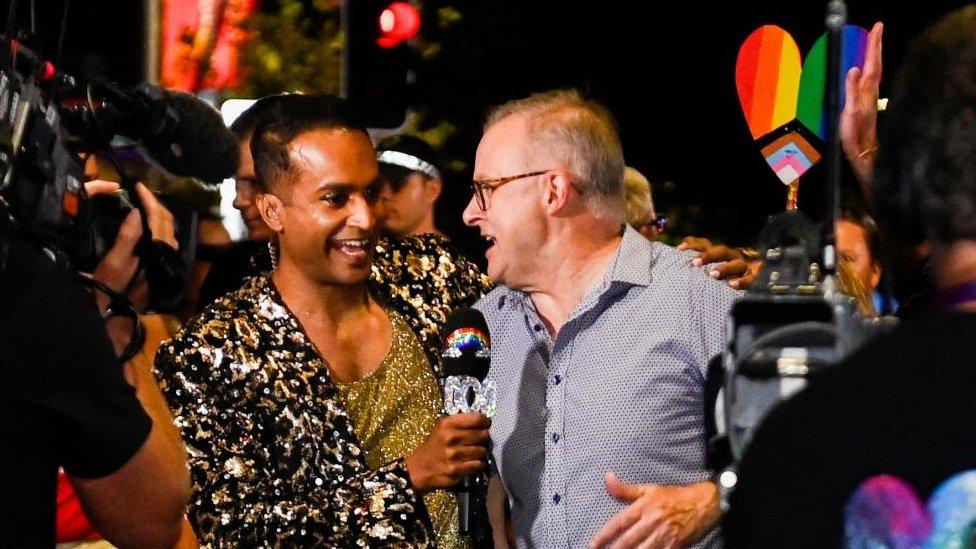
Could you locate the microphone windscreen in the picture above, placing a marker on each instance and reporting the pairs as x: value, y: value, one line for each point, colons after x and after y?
x: 199, y: 146
x: 467, y: 345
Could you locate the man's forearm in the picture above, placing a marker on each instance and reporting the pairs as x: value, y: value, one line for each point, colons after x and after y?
x: 139, y: 369
x: 142, y: 504
x: 498, y: 514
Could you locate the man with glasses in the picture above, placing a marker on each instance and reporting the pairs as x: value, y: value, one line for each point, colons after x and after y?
x: 601, y: 338
x: 640, y: 206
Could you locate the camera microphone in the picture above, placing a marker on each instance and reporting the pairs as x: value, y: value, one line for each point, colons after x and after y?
x: 182, y: 133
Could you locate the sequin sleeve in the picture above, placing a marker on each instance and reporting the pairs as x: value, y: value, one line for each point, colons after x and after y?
x: 271, y: 467
x: 424, y: 278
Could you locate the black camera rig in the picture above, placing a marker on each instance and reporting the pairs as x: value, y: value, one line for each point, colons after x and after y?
x: 793, y: 322
x: 49, y: 120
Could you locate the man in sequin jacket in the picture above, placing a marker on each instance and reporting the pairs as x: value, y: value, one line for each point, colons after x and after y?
x: 253, y: 381
x: 420, y: 275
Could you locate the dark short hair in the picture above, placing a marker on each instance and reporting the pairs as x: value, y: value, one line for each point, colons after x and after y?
x: 291, y: 116
x: 243, y: 126
x: 861, y: 218
x: 925, y: 178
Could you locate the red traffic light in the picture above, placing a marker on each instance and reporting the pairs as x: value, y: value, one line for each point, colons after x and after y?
x: 399, y: 22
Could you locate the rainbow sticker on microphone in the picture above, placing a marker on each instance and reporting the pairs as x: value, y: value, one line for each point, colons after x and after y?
x: 465, y: 341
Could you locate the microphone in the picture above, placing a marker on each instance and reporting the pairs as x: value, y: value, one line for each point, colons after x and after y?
x: 465, y: 360
x: 182, y: 133
x: 198, y: 145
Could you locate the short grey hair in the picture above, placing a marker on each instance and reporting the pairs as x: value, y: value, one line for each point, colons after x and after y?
x: 638, y: 198
x: 582, y: 134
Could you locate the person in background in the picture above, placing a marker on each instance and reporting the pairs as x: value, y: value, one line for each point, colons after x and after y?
x: 895, y: 421
x: 249, y: 257
x: 412, y: 185
x: 639, y: 202
x: 859, y: 247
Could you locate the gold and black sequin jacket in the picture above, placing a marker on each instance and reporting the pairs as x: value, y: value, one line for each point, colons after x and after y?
x: 273, y: 457
x: 424, y: 279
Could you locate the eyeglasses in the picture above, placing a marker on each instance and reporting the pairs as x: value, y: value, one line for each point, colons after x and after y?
x: 661, y: 223
x: 479, y: 187
x: 396, y: 184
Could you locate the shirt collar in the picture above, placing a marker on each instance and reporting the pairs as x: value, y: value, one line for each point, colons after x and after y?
x: 630, y: 266
x: 632, y: 263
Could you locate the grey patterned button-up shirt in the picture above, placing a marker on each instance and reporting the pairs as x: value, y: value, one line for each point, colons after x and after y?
x: 620, y: 388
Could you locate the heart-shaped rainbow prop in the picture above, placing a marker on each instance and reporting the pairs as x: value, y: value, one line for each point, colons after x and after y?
x: 811, y: 109
x: 778, y: 94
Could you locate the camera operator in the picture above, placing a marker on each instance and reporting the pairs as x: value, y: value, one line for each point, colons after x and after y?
x: 901, y: 406
x: 66, y: 402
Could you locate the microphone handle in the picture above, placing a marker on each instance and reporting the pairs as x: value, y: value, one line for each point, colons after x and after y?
x: 463, y: 491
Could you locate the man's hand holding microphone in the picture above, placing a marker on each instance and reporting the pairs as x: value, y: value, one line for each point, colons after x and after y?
x: 458, y: 447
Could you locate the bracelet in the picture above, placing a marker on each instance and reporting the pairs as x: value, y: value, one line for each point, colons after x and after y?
x: 865, y: 152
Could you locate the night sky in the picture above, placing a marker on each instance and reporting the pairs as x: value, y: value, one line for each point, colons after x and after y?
x: 666, y: 73
x: 668, y: 76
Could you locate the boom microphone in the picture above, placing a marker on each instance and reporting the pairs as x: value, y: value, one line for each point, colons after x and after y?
x: 180, y: 132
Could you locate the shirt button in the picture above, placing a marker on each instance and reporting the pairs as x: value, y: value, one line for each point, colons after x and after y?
x: 537, y: 327
x: 557, y: 379
x: 555, y: 437
x: 556, y: 498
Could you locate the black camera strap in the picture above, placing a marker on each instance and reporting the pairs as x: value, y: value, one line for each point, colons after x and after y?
x: 120, y: 305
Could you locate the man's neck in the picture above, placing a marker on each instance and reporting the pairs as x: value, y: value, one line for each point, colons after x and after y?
x: 571, y: 271
x: 426, y: 226
x: 316, y: 303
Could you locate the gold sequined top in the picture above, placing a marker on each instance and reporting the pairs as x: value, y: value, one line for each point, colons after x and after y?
x: 424, y: 278
x: 393, y: 410
x: 274, y: 458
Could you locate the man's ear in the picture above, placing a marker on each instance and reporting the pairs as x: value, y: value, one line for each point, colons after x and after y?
x: 433, y: 188
x: 558, y: 190
x: 271, y: 208
x: 875, y: 275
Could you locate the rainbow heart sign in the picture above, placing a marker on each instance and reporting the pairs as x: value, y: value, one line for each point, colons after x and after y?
x: 779, y: 94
